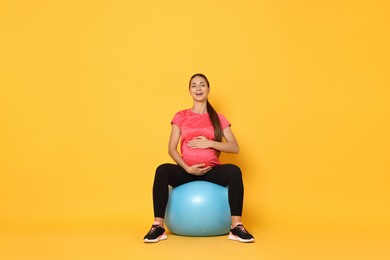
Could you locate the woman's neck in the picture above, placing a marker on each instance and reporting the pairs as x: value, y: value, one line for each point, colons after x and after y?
x: 199, y: 108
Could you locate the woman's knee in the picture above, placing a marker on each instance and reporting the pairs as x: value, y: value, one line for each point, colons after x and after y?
x: 163, y: 167
x: 234, y: 171
x: 163, y: 170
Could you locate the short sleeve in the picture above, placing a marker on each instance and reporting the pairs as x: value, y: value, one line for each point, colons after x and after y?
x: 224, y: 122
x: 177, y: 119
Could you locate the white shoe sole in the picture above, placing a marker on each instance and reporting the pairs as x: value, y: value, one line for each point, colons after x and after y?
x: 162, y: 237
x: 236, y: 238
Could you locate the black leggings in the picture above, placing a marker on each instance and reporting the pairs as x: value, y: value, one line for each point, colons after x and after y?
x: 173, y: 175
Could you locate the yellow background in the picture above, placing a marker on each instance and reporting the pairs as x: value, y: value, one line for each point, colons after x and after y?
x: 88, y: 89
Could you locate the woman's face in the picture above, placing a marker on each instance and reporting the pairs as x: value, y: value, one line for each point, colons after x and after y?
x: 199, y: 90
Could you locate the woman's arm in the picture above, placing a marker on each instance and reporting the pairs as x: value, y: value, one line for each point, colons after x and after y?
x: 172, y: 146
x: 229, y: 146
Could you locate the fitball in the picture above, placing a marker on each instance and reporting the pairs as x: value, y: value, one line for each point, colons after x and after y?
x: 198, y: 208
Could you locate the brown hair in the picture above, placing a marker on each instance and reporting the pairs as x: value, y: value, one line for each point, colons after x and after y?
x: 212, y: 113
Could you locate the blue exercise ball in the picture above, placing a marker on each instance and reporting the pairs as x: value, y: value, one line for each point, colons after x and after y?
x: 198, y: 208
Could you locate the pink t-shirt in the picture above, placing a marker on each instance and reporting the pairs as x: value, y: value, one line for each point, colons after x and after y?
x: 193, y: 125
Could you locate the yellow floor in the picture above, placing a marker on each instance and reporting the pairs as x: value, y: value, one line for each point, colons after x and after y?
x: 127, y: 244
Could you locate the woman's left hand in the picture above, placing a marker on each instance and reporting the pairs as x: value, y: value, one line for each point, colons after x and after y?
x: 199, y: 142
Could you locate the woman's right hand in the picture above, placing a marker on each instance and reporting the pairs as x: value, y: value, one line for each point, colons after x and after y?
x: 198, y: 169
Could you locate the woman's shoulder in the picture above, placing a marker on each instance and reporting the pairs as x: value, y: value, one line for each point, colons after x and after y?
x: 224, y: 121
x: 182, y: 113
x: 221, y: 115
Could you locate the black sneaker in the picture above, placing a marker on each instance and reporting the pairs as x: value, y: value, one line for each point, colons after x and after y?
x: 155, y: 234
x: 239, y: 233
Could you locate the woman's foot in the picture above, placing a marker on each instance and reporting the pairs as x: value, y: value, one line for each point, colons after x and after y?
x: 239, y: 233
x: 155, y: 234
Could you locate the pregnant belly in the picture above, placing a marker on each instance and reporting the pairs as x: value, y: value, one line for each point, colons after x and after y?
x: 193, y: 156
